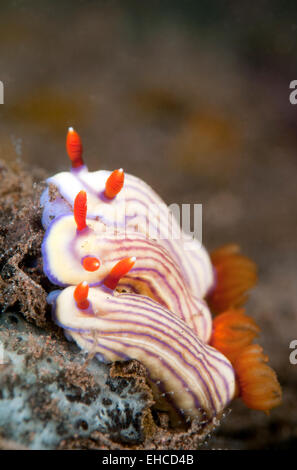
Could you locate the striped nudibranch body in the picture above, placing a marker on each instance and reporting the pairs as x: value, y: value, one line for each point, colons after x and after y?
x: 155, y: 274
x: 137, y: 207
x: 188, y: 377
x: 108, y: 233
x: 134, y: 288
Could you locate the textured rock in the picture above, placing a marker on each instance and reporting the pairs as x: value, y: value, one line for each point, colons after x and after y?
x: 50, y: 391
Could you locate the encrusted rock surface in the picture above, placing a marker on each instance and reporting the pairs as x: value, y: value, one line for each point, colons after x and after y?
x: 51, y: 393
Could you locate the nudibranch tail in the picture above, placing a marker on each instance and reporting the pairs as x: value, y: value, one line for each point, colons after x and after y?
x: 118, y: 271
x: 74, y: 148
x: 232, y: 332
x: 80, y: 295
x: 235, y: 275
x: 114, y: 183
x: 258, y: 384
x: 91, y: 263
x: 80, y: 210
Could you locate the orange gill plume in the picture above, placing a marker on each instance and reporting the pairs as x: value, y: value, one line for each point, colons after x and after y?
x: 80, y: 210
x: 258, y: 384
x: 232, y: 332
x: 114, y: 183
x: 118, y: 271
x: 235, y: 275
x: 74, y: 148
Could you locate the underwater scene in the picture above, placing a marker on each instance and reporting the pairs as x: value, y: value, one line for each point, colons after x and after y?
x: 148, y: 242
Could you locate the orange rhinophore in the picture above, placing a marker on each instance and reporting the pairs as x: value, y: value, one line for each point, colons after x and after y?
x: 258, y: 384
x: 74, y: 148
x: 235, y: 275
x: 114, y: 183
x: 118, y: 271
x: 91, y: 263
x: 232, y: 332
x: 80, y: 210
x: 81, y: 295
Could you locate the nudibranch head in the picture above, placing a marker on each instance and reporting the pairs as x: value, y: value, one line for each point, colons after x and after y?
x: 74, y: 148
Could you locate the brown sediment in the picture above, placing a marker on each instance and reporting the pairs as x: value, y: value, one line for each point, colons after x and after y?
x: 163, y: 439
x: 23, y: 292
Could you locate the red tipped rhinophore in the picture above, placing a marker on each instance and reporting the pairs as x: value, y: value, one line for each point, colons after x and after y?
x: 91, y: 263
x: 74, y: 148
x: 80, y: 210
x: 118, y: 271
x: 114, y: 183
x: 81, y: 295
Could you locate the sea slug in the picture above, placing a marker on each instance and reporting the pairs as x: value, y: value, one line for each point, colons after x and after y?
x: 129, y: 295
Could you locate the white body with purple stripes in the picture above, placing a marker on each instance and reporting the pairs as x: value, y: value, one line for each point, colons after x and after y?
x: 162, y: 319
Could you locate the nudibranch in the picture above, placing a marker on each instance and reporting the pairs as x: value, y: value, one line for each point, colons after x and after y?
x: 129, y: 292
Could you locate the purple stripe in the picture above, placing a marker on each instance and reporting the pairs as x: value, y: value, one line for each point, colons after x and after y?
x: 153, y: 249
x: 173, y: 292
x: 177, y: 275
x: 183, y: 287
x: 165, y: 282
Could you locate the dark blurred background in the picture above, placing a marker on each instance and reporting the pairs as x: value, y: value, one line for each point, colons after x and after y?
x: 193, y: 97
